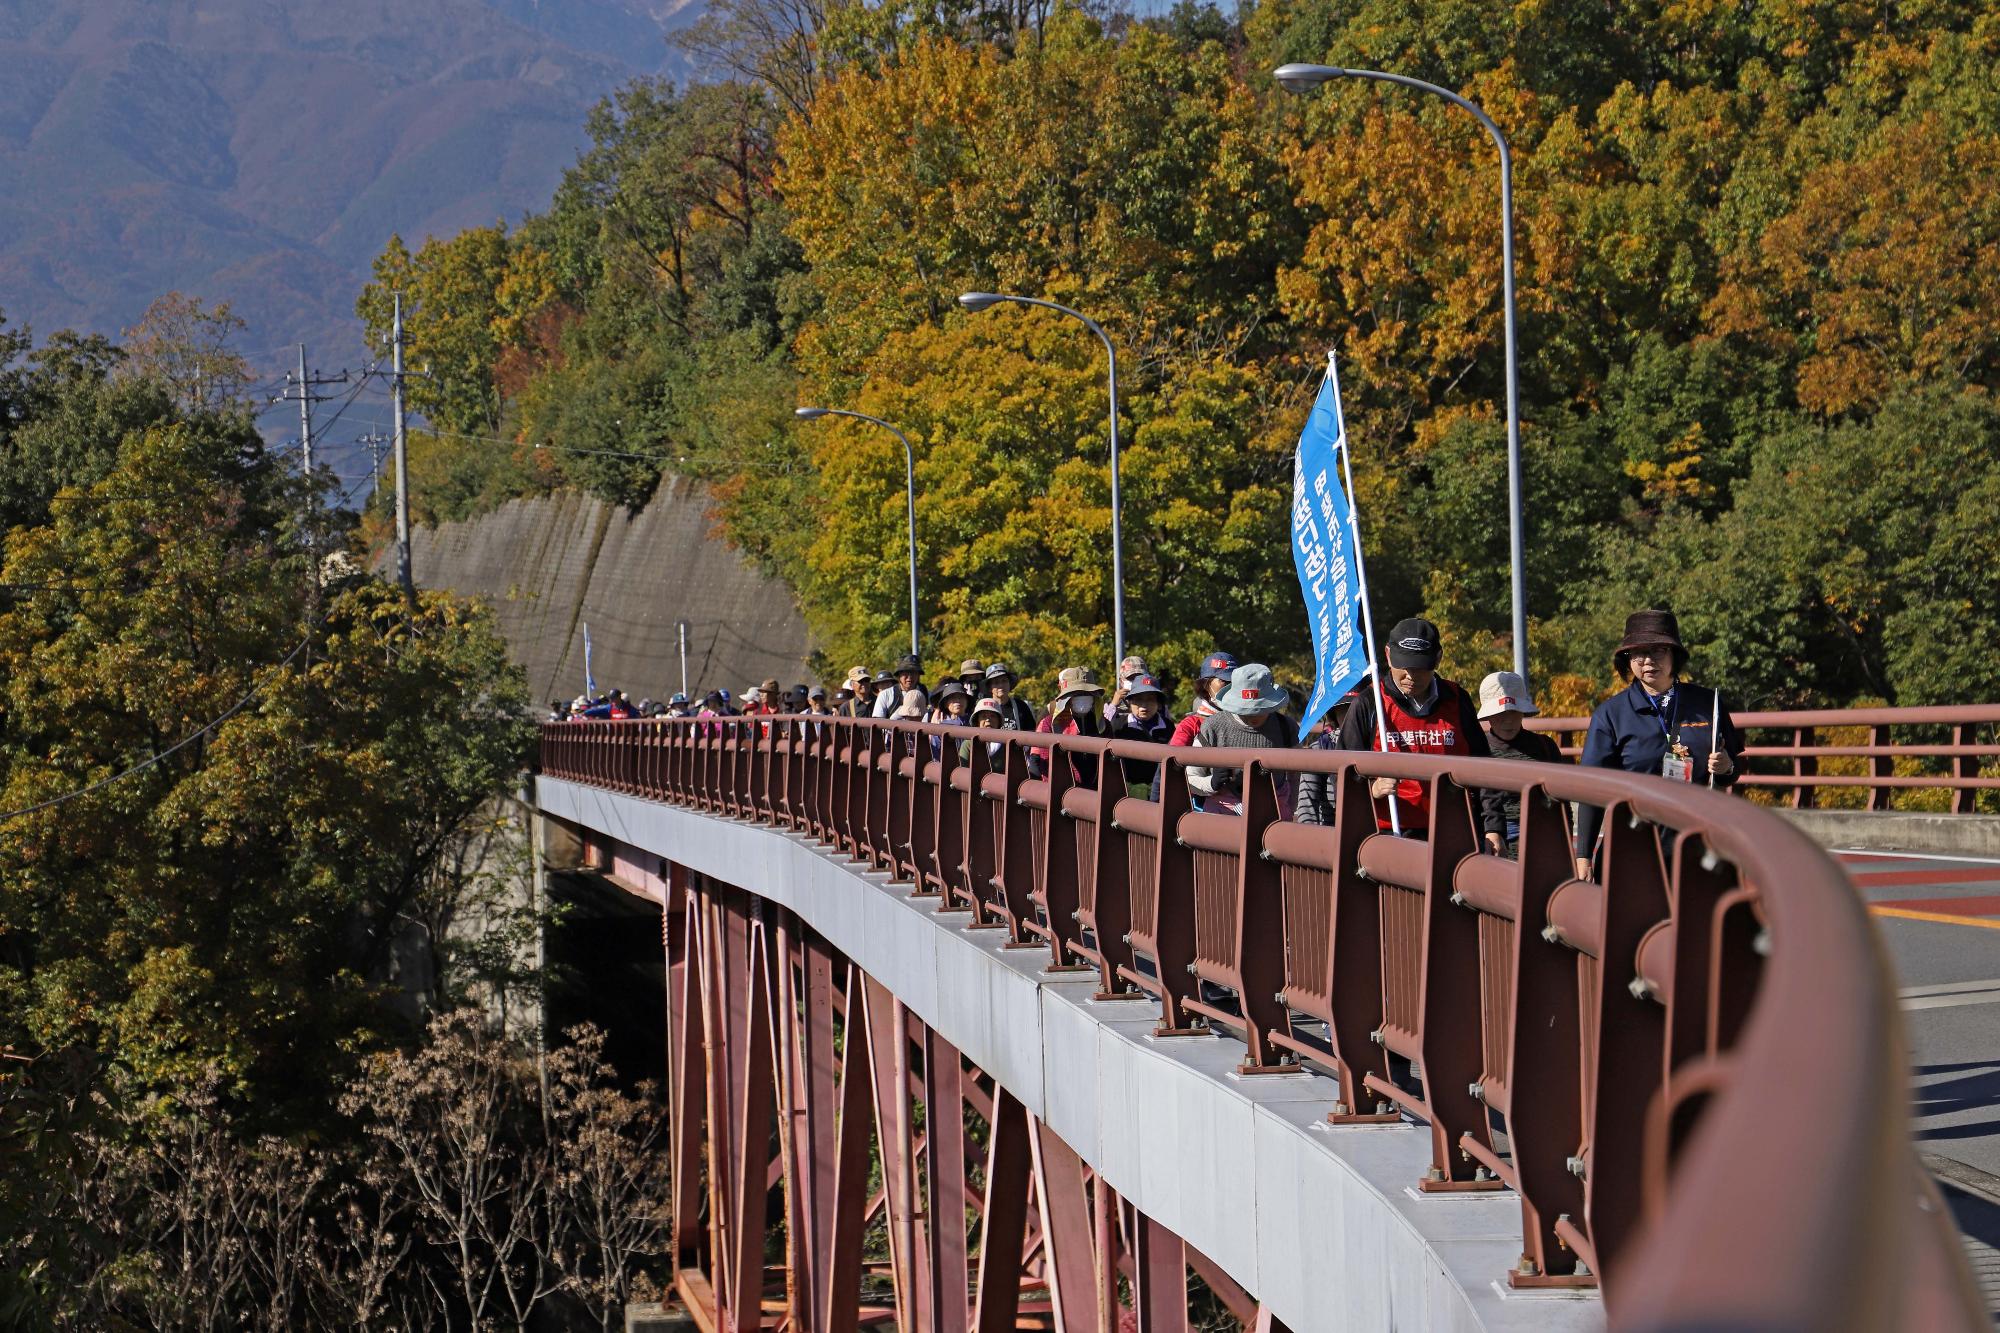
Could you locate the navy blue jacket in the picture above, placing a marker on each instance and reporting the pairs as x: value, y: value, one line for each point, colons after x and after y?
x: 1629, y: 731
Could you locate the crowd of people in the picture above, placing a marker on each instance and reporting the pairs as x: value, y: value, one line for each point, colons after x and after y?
x: 1659, y: 724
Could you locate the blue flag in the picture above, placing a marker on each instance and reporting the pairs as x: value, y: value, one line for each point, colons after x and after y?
x: 589, y: 680
x: 1326, y: 550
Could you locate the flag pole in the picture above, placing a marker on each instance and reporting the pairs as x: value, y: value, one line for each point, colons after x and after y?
x: 1361, y: 579
x: 1714, y: 733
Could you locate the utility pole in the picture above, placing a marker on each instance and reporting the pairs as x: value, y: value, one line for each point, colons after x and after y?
x: 302, y: 388
x: 373, y: 442
x: 402, y: 467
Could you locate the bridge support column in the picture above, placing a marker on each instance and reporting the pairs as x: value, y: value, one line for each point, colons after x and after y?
x: 794, y: 1079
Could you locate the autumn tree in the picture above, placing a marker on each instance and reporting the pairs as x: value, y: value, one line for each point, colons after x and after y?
x: 184, y: 346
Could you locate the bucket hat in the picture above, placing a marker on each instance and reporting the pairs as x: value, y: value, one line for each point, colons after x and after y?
x: 909, y: 664
x: 1142, y: 683
x: 1502, y: 692
x: 1073, y: 681
x: 951, y: 689
x: 988, y: 708
x: 1252, y: 692
x: 1001, y: 671
x: 1651, y: 629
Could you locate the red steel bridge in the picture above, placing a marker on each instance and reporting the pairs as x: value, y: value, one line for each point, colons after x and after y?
x: 953, y: 1047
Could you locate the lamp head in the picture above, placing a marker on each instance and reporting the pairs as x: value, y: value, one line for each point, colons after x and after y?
x: 979, y: 300
x: 1304, y: 78
x: 808, y: 413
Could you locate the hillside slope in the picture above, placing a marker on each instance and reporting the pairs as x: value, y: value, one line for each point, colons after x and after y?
x: 261, y: 151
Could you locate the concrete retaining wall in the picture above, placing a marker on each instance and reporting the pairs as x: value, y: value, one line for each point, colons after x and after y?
x: 553, y: 564
x: 1898, y: 831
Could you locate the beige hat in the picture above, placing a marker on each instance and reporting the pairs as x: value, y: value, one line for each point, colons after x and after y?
x: 855, y: 675
x: 971, y: 666
x: 1502, y: 692
x: 1072, y: 681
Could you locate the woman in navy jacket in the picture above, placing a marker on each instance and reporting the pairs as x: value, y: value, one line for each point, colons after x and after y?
x: 1660, y: 724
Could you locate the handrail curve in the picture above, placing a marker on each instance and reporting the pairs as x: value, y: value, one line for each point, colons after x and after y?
x: 1717, y: 1131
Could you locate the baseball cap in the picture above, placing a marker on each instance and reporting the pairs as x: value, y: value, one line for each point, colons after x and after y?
x: 1218, y: 666
x: 1414, y: 643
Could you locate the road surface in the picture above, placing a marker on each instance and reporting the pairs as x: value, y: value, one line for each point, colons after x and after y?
x: 1940, y: 917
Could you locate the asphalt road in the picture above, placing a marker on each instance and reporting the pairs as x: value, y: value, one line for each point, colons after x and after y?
x: 1940, y: 917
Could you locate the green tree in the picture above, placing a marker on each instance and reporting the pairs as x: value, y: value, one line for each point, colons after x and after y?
x: 249, y: 815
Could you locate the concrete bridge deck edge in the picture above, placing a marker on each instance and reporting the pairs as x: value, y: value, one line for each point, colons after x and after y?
x: 1245, y: 1169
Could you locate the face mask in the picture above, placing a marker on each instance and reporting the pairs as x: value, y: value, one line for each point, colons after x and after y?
x: 1080, y: 705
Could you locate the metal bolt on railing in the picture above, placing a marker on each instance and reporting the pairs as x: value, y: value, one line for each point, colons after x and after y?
x: 1552, y: 934
x: 1577, y: 1167
x: 1376, y: 1036
x: 1476, y: 1090
x: 1638, y: 989
x: 1762, y: 944
x: 1709, y: 860
x: 1457, y: 899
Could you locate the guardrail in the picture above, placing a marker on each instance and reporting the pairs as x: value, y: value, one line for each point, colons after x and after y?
x: 1971, y: 758
x: 1689, y: 1070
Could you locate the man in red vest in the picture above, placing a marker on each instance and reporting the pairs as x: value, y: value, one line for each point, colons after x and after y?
x: 1427, y: 715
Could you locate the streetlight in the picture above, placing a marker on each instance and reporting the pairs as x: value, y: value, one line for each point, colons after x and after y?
x: 910, y: 478
x: 1306, y: 78
x: 976, y: 301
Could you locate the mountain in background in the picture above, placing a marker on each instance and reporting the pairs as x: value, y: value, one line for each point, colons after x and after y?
x: 262, y: 151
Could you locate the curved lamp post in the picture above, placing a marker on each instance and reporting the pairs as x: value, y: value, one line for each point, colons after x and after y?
x: 910, y: 482
x: 1306, y: 78
x: 983, y: 300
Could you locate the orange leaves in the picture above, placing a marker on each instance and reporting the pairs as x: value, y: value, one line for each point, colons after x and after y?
x: 1887, y: 267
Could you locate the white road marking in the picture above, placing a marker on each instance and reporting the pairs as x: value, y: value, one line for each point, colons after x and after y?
x: 1950, y: 995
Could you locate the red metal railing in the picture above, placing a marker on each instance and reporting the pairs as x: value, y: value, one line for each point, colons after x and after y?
x: 1689, y: 1071
x: 1965, y: 765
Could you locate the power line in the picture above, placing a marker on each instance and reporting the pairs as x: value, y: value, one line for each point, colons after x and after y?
x: 163, y: 755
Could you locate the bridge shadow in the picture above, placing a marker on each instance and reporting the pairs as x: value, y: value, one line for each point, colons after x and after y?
x: 1953, y: 1089
x: 1978, y: 1219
